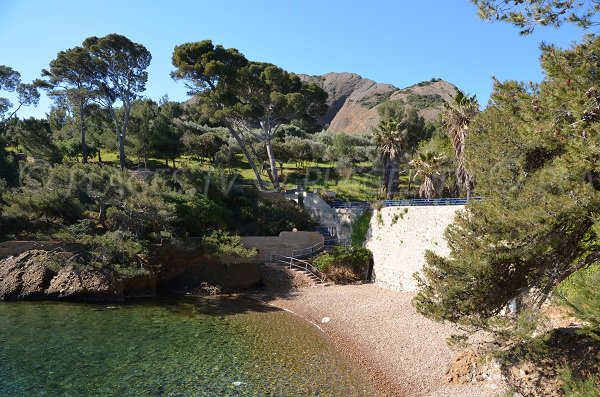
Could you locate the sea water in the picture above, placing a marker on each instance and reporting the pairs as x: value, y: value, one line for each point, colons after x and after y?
x: 184, y: 347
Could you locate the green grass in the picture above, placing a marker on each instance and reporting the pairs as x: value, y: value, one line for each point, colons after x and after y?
x: 363, y: 185
x: 360, y: 228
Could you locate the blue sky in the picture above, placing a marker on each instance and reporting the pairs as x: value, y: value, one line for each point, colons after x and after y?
x: 400, y: 42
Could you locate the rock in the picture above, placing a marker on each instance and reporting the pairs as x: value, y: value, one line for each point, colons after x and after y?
x: 25, y: 276
x: 140, y: 285
x: 353, y: 101
x: 91, y: 285
x: 462, y: 369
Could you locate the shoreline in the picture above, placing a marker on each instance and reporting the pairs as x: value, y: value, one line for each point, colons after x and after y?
x: 377, y: 331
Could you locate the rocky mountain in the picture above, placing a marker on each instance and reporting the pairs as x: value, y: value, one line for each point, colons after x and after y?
x: 353, y: 100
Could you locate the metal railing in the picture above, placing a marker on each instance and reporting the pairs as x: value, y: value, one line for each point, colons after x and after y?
x: 349, y: 204
x: 300, y: 264
x: 307, y: 252
x: 338, y: 204
x: 335, y: 242
x: 425, y: 202
x: 326, y: 230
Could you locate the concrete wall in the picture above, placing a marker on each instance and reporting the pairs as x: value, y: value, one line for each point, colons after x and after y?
x: 283, y: 244
x: 399, y: 237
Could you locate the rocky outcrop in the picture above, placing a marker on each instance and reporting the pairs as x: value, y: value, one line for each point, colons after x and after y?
x: 31, y: 275
x: 42, y: 274
x: 26, y: 276
x: 354, y: 101
x: 86, y: 285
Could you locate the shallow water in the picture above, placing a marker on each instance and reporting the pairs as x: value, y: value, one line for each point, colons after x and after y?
x: 219, y: 346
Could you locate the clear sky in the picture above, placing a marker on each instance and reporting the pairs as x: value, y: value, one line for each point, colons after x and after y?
x: 400, y: 42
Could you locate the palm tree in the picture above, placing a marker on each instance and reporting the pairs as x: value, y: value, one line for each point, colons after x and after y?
x: 430, y: 167
x: 389, y: 140
x: 456, y: 119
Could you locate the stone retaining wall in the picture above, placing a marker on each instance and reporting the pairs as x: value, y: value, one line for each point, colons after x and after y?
x: 283, y: 244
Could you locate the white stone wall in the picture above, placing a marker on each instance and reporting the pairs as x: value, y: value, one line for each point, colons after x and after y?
x: 399, y: 237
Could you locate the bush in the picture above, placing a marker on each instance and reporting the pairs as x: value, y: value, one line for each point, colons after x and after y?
x: 343, y: 264
x: 580, y: 293
x: 360, y: 228
x: 577, y: 387
x: 224, y: 243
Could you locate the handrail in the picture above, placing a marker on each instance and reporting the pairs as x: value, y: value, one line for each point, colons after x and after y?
x: 299, y: 263
x: 337, y: 242
x: 308, y: 251
x: 402, y: 202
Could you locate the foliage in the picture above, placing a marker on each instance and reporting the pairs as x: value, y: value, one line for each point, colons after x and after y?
x: 352, y: 258
x: 224, y: 243
x: 430, y: 168
x: 70, y: 80
x: 360, y: 228
x: 260, y: 214
x: 535, y: 154
x: 579, y: 388
x: 251, y: 99
x: 119, y: 67
x: 419, y: 101
x: 527, y: 14
x: 456, y: 119
x: 27, y: 94
x: 199, y: 215
x: 34, y: 137
x: 390, y: 139
x: 580, y: 293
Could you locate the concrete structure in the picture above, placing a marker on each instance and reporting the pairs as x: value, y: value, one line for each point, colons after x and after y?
x: 283, y: 244
x: 399, y: 237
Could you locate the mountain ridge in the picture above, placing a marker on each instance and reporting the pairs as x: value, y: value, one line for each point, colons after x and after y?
x: 354, y: 100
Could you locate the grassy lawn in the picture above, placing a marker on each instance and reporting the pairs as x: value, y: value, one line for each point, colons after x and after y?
x: 363, y: 185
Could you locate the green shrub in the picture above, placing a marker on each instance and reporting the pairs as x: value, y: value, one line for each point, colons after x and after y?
x: 577, y: 387
x: 223, y: 243
x: 360, y: 228
x: 352, y: 257
x: 343, y: 264
x: 580, y: 293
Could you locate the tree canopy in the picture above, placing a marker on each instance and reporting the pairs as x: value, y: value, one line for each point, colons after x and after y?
x: 527, y: 14
x: 119, y: 66
x: 251, y: 99
x: 535, y: 152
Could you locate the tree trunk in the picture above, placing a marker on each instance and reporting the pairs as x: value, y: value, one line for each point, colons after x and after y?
x: 122, y: 161
x: 84, y: 153
x: 390, y: 178
x: 99, y: 156
x: 145, y: 161
x: 273, y: 165
x: 174, y: 166
x: 261, y: 184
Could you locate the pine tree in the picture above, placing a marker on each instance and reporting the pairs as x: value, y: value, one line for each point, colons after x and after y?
x: 535, y: 152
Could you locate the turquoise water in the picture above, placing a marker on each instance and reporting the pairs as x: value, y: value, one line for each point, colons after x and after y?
x: 221, y: 346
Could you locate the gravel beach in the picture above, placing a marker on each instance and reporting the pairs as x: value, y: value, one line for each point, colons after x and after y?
x: 404, y: 353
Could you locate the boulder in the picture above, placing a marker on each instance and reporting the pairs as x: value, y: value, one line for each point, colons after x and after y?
x: 25, y: 276
x: 89, y: 285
